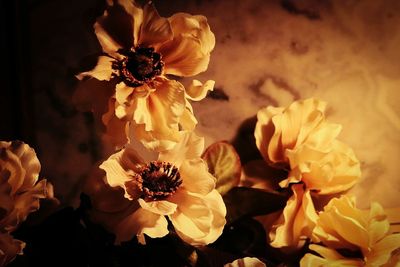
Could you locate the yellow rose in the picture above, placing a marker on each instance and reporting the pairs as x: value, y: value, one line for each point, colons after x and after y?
x: 246, y: 262
x: 174, y: 183
x: 20, y: 192
x: 296, y: 222
x: 326, y: 173
x: 342, y: 226
x: 281, y: 129
x: 141, y: 49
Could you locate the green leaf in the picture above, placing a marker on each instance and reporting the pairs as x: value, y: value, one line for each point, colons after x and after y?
x: 224, y: 163
x: 244, y: 201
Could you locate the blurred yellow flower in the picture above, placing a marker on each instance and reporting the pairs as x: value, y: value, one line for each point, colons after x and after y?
x: 341, y: 226
x: 296, y: 222
x: 174, y: 183
x: 281, y: 129
x: 141, y: 49
x: 20, y: 192
x: 246, y: 262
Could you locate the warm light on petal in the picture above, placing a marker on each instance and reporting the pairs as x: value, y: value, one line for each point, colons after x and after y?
x: 9, y: 248
x: 327, y: 173
x: 188, y: 53
x: 103, y: 70
x: 246, y: 262
x: 296, y: 222
x: 198, y: 91
x: 279, y: 129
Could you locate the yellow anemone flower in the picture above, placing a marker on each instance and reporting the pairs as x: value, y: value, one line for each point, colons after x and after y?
x: 341, y: 226
x: 141, y: 49
x: 20, y: 192
x: 174, y: 183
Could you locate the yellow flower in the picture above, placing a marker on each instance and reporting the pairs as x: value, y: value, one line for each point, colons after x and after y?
x: 281, y: 129
x: 20, y: 192
x: 326, y: 173
x: 342, y: 226
x: 246, y: 262
x: 174, y: 183
x: 299, y: 139
x: 296, y: 222
x: 141, y: 49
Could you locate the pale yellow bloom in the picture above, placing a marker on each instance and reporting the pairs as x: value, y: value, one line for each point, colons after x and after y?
x: 141, y: 49
x: 20, y: 192
x: 296, y: 222
x: 298, y: 138
x: 281, y: 129
x: 342, y: 226
x: 246, y: 262
x: 174, y: 184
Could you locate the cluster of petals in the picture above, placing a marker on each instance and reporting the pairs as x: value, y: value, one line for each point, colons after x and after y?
x: 299, y: 139
x: 20, y: 192
x: 195, y: 208
x: 341, y: 226
x: 141, y: 52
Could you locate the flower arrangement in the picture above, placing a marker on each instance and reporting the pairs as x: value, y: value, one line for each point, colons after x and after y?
x: 157, y: 197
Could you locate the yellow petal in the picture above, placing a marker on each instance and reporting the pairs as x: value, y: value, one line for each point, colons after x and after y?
x: 161, y: 207
x: 116, y: 175
x: 190, y: 146
x: 198, y: 91
x: 139, y: 223
x: 103, y: 70
x: 116, y: 133
x: 193, y: 218
x: 188, y: 53
x: 195, y: 176
x: 118, y: 27
x: 297, y: 220
x: 381, y: 252
x: 155, y: 30
x: 378, y: 225
x: 246, y: 262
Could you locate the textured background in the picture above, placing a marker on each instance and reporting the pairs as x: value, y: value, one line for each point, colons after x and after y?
x: 267, y: 53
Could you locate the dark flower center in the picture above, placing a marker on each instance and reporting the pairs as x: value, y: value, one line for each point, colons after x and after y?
x: 159, y: 180
x: 140, y: 65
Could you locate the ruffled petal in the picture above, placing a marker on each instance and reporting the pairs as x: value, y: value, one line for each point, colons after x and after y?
x: 155, y: 30
x: 9, y: 248
x: 24, y: 204
x: 381, y: 252
x: 139, y: 223
x: 193, y: 218
x: 121, y: 169
x: 15, y: 172
x: 29, y: 162
x: 195, y: 176
x: 103, y: 70
x: 188, y: 53
x: 190, y: 146
x: 329, y: 258
x: 161, y: 207
x: 297, y: 220
x: 116, y: 133
x: 198, y: 91
x: 378, y: 225
x: 118, y: 27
